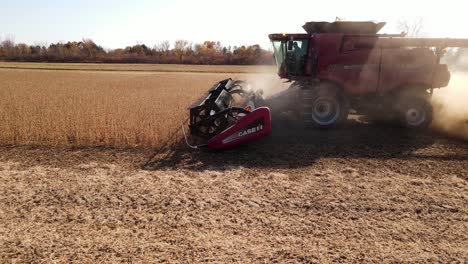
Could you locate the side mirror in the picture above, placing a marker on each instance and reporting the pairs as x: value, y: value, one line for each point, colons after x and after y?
x: 290, y: 45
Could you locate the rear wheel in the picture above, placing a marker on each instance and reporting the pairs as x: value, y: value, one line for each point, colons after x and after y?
x: 415, y: 110
x: 324, y: 106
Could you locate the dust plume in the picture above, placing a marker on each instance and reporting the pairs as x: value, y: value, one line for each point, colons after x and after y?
x: 269, y: 82
x: 451, y: 107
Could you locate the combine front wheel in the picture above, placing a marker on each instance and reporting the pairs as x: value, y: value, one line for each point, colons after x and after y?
x: 324, y: 106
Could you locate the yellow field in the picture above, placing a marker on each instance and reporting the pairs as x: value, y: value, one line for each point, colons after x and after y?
x: 138, y: 67
x: 99, y: 108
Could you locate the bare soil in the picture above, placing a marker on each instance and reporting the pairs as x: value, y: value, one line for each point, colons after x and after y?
x: 358, y: 193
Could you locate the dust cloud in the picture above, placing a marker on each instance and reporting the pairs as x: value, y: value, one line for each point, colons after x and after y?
x: 269, y: 83
x: 450, y: 103
x: 451, y: 106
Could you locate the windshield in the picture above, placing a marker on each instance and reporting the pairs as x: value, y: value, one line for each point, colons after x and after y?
x: 279, y: 52
x: 291, y: 56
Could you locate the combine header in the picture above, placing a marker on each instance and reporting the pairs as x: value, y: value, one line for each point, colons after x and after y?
x: 335, y: 68
x: 229, y: 116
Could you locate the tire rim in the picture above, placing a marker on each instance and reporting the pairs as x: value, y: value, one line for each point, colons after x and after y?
x: 326, y: 111
x: 415, y: 116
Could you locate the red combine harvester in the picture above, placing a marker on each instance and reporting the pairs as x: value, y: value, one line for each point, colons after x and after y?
x: 335, y: 68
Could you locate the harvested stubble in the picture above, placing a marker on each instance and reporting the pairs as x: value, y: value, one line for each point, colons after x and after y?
x: 96, y: 108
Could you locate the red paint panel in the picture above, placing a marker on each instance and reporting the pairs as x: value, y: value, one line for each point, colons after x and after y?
x: 253, y: 126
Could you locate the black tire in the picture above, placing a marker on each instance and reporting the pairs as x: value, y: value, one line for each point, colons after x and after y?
x: 415, y: 111
x: 323, y: 106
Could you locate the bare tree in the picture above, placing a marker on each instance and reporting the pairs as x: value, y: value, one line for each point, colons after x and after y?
x: 411, y: 28
x: 8, y: 46
x: 162, y: 47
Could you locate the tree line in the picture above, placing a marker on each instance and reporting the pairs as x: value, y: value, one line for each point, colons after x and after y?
x: 179, y: 52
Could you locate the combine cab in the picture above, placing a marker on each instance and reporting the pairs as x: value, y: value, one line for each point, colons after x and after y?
x: 335, y: 68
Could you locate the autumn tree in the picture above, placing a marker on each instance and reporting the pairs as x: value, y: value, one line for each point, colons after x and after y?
x: 181, y: 48
x: 183, y: 51
x: 7, y: 47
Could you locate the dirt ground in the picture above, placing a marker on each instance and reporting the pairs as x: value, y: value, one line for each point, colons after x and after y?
x: 359, y: 193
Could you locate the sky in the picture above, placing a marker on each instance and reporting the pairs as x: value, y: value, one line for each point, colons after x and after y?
x: 118, y: 23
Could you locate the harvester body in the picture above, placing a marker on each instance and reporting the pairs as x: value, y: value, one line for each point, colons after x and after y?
x: 347, y: 66
x: 363, y: 63
x: 358, y: 65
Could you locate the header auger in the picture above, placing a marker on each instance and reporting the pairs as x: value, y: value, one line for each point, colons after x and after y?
x: 334, y: 68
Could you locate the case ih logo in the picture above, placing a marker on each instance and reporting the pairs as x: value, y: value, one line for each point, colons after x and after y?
x: 251, y: 130
x: 254, y: 127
